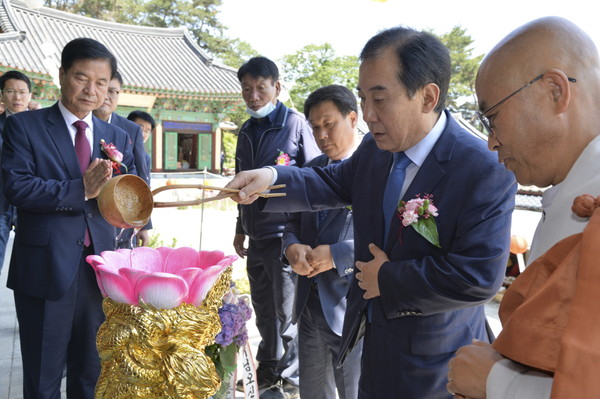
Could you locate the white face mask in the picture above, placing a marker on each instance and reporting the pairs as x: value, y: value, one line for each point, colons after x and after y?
x: 262, y: 112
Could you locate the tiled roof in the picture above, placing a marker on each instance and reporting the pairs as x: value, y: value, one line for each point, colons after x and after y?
x: 150, y: 59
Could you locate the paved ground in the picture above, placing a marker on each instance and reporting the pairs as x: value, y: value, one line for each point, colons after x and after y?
x: 211, y: 227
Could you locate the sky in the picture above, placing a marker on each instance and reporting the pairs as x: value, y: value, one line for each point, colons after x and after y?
x: 280, y: 27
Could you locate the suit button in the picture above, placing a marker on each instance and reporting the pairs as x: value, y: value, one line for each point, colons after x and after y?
x: 79, y: 242
x: 89, y: 215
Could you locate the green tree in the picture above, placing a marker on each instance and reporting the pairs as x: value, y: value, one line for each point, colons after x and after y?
x: 229, y: 143
x: 99, y: 9
x: 316, y: 66
x: 461, y: 95
x: 240, y: 52
x: 63, y: 5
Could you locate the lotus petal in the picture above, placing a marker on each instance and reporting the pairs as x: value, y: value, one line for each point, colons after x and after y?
x: 228, y: 260
x: 132, y: 275
x: 164, y: 252
x: 181, y: 258
x: 95, y: 261
x: 203, y: 284
x: 146, y: 258
x: 125, y: 251
x: 189, y: 274
x: 116, y: 286
x: 116, y: 259
x: 209, y: 258
x: 162, y: 290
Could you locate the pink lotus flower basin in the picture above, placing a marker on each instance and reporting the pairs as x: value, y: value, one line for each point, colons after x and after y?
x: 163, y: 277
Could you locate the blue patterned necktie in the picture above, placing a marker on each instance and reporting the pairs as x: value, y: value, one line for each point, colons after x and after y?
x: 393, y: 188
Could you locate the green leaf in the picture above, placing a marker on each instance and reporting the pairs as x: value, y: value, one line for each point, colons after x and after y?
x: 228, y: 357
x: 428, y: 229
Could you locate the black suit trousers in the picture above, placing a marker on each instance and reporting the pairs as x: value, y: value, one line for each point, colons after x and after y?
x: 58, y: 333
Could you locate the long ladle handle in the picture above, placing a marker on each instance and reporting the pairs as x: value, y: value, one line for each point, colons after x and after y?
x: 192, y: 202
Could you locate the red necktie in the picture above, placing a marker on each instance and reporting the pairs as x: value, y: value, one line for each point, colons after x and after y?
x: 82, y: 146
x: 84, y: 155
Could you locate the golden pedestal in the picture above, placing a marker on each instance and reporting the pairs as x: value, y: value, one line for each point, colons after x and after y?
x: 150, y: 353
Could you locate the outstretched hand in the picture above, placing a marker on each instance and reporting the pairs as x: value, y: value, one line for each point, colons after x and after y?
x: 250, y: 183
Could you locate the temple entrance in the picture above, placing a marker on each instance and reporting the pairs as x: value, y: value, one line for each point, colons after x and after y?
x: 187, y: 146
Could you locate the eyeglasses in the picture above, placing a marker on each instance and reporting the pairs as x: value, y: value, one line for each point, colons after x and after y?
x: 11, y: 92
x: 485, y: 120
x: 113, y: 92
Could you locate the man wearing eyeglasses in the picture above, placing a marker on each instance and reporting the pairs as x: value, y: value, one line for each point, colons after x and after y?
x: 15, y: 89
x: 414, y: 299
x: 538, y: 92
x: 107, y: 113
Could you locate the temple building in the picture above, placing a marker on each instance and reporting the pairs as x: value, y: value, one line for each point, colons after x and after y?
x: 165, y: 73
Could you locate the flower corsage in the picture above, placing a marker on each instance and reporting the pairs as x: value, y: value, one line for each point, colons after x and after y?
x: 420, y: 213
x: 114, y: 155
x: 283, y: 159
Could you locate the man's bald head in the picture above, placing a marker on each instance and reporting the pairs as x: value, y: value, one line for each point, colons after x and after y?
x: 540, y: 45
x: 541, y: 130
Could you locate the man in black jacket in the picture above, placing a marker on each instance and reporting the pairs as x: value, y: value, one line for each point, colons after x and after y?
x: 273, y: 135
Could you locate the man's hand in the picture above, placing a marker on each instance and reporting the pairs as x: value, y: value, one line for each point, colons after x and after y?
x: 367, y: 276
x: 320, y: 259
x: 143, y: 238
x: 250, y: 183
x: 469, y: 370
x: 96, y: 176
x: 238, y: 245
x: 296, y: 255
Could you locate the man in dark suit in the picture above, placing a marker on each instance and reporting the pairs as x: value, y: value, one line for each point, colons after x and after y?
x: 416, y: 301
x: 148, y: 125
x: 53, y: 171
x: 320, y: 248
x: 15, y: 93
x: 107, y: 113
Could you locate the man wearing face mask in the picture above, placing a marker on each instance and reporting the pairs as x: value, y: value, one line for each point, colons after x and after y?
x: 275, y: 134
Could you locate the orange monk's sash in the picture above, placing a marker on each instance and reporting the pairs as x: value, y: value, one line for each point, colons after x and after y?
x: 551, y: 314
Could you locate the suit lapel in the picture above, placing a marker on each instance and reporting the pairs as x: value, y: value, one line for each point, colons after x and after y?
x: 59, y: 134
x: 428, y: 177
x: 99, y: 133
x: 331, y: 215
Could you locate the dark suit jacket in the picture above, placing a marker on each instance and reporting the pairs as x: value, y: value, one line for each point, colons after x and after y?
x: 428, y: 306
x: 140, y: 158
x: 332, y: 285
x: 3, y: 201
x: 43, y: 180
x: 139, y: 154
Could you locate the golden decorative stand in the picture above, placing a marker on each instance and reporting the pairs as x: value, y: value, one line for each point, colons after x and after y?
x: 150, y: 353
